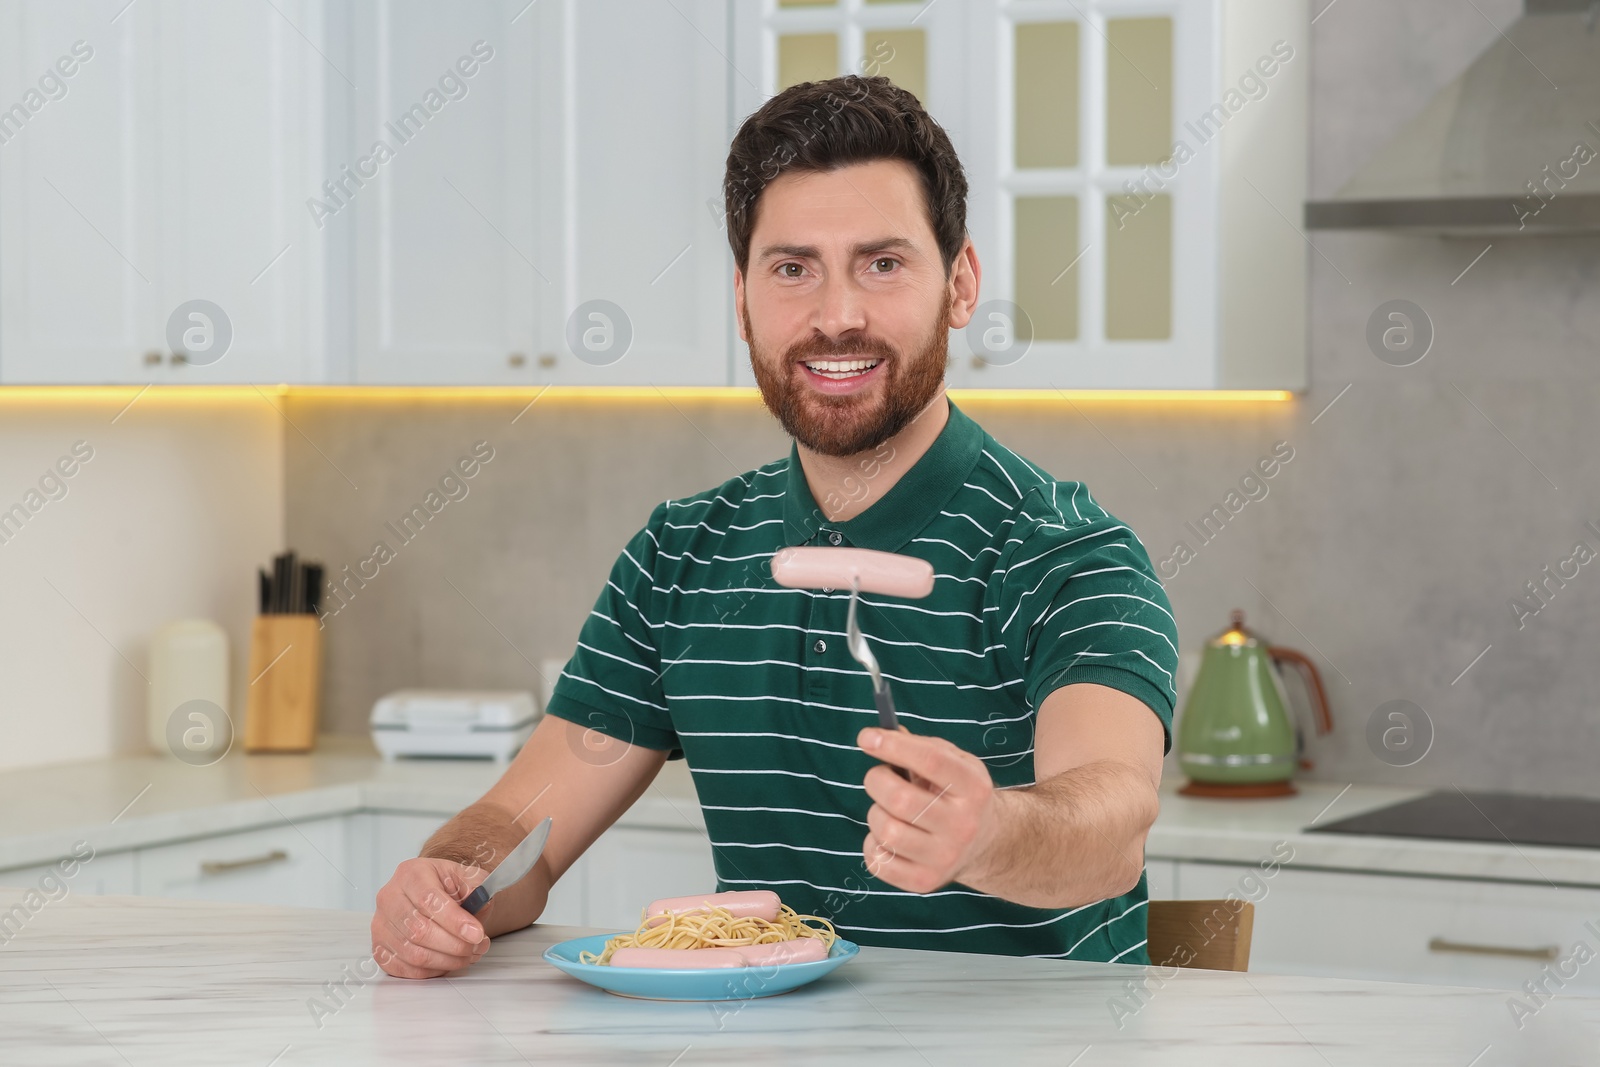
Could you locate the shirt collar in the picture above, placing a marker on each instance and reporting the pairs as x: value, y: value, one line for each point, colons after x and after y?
x: 909, y: 505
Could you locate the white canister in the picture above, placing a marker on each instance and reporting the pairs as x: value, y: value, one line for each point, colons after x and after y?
x: 188, y: 710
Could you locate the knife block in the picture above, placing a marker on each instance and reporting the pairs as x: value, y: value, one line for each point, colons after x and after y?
x: 285, y: 676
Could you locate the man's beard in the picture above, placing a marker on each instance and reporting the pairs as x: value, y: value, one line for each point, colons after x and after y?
x: 848, y: 425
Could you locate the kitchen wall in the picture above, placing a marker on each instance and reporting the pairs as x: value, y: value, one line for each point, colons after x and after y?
x: 170, y: 504
x: 1418, y: 503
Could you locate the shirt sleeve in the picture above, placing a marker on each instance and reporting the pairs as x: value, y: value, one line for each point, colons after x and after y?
x: 612, y: 683
x: 1080, y: 602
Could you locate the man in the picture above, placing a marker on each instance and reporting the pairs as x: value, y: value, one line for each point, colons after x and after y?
x: 1035, y: 682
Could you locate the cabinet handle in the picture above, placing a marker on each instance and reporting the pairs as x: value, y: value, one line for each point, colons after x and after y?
x: 1548, y: 952
x: 152, y: 358
x: 547, y: 360
x: 277, y: 855
x: 516, y: 359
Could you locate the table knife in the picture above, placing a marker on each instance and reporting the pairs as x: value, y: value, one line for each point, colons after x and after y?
x: 511, y: 869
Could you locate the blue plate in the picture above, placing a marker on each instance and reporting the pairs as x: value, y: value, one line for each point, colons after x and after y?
x: 729, y: 983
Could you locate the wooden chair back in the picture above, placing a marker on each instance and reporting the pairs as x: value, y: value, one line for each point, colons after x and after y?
x: 1211, y: 934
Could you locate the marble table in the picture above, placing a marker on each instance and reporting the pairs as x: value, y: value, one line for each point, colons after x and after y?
x: 123, y: 980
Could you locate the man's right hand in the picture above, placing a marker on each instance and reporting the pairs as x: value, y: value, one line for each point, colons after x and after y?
x: 419, y: 929
x: 579, y: 777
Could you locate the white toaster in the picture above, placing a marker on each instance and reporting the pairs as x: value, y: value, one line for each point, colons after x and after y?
x: 453, y: 723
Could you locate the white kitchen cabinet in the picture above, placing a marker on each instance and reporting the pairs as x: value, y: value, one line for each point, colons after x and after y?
x: 1161, y: 879
x: 104, y: 873
x: 397, y: 837
x: 1133, y: 171
x: 575, y: 165
x: 301, y: 864
x: 439, y: 191
x: 644, y: 128
x: 173, y: 167
x: 1402, y: 929
x: 628, y: 868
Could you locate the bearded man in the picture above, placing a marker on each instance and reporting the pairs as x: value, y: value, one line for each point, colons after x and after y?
x: 1034, y: 684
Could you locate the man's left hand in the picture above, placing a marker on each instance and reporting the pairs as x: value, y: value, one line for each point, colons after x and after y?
x: 926, y: 832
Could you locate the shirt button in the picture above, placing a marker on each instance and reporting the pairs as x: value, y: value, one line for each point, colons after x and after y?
x: 835, y: 538
x: 820, y: 646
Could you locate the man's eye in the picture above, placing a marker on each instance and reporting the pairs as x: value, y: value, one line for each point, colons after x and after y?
x: 880, y: 263
x: 787, y: 267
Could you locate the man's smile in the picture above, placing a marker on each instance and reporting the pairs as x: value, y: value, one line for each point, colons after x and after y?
x: 838, y: 377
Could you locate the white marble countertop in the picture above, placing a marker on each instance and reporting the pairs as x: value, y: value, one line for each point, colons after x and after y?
x: 120, y: 980
x: 132, y: 801
x: 1247, y: 831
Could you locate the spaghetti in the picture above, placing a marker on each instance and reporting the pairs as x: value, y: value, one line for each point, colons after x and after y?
x: 716, y: 927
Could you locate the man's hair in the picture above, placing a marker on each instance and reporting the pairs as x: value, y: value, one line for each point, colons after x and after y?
x: 822, y: 126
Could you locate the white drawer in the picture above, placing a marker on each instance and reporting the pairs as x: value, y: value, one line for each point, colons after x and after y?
x: 298, y: 865
x: 105, y: 872
x: 1392, y: 928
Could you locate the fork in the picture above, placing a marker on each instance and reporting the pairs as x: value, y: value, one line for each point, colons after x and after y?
x: 856, y: 641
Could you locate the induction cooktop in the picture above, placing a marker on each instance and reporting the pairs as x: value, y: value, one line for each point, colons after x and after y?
x: 1454, y: 815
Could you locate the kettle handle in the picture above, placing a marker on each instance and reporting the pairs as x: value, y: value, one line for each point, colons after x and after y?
x: 1313, y: 679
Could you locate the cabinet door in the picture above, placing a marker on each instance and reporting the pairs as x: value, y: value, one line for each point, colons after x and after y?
x: 645, y: 129
x: 1399, y: 929
x: 298, y: 865
x: 171, y: 166
x: 1087, y: 286
x: 397, y: 838
x: 106, y: 873
x: 548, y: 222
x: 239, y: 140
x: 80, y: 255
x: 437, y: 177
x: 628, y: 868
x: 1161, y: 879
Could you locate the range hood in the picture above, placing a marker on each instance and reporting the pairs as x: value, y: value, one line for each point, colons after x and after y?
x: 1511, y: 146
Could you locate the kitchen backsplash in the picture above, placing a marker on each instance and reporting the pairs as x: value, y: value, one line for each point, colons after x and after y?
x: 120, y: 512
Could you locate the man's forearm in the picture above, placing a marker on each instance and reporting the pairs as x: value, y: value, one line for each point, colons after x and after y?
x: 1072, y: 839
x: 481, y: 835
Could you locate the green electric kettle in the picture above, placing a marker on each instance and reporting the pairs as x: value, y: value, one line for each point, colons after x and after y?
x: 1236, y: 737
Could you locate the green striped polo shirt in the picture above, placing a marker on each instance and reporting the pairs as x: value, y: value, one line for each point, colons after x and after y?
x: 692, y: 648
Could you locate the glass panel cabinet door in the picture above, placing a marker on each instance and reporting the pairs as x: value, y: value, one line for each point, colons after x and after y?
x: 1063, y: 111
x: 1081, y: 221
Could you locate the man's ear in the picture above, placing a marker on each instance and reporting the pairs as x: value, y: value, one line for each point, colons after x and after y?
x: 738, y: 302
x: 966, y: 275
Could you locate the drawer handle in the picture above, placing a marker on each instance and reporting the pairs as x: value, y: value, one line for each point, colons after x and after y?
x: 277, y: 855
x: 1548, y: 952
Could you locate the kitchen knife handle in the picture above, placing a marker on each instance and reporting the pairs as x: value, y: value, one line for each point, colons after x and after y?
x: 475, y: 900
x: 887, y: 720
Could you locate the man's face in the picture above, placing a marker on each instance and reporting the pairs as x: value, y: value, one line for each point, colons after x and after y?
x: 846, y: 306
